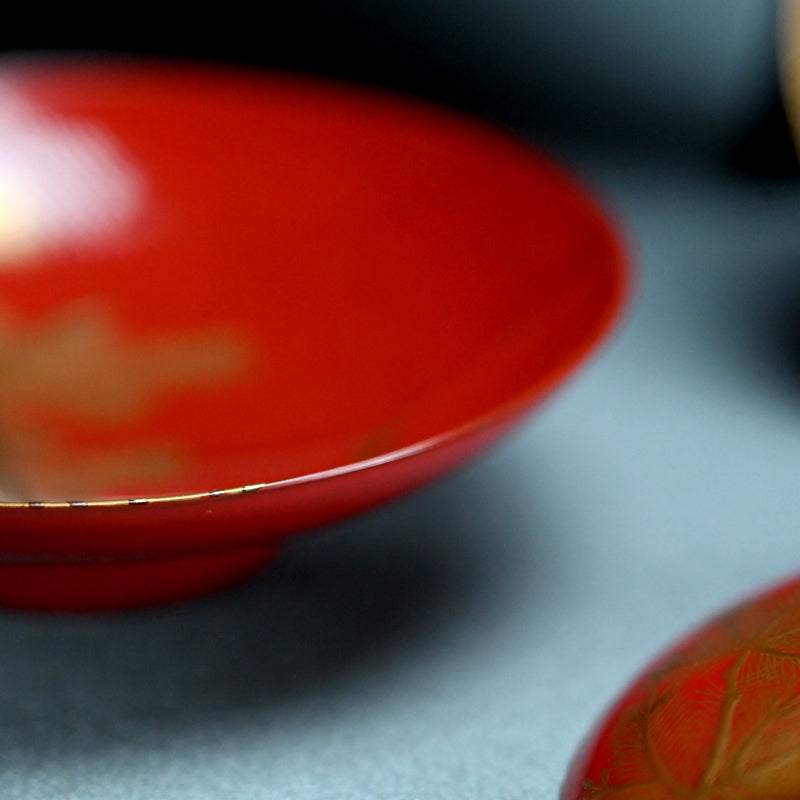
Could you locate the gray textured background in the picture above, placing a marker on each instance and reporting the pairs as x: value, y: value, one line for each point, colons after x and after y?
x: 459, y: 643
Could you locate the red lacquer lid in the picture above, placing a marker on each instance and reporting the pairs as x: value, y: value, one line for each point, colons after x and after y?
x: 716, y: 717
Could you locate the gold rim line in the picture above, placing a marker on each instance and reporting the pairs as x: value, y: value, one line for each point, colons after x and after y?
x: 310, y: 477
x: 620, y: 287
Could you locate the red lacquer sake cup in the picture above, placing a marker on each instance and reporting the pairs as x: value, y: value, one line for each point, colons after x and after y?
x: 236, y: 305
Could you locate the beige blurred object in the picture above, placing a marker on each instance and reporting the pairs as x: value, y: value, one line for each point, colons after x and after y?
x: 789, y: 63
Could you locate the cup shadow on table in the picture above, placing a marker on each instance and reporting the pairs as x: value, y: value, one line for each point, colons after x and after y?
x: 778, y: 336
x: 371, y: 594
x: 754, y: 331
x: 760, y: 323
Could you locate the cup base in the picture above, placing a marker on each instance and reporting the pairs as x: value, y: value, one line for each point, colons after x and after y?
x: 111, y: 585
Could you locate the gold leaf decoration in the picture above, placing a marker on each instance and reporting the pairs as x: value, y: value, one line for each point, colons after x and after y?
x: 78, y: 367
x: 718, y: 720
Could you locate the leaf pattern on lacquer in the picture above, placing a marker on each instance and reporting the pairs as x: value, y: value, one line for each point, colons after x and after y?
x: 717, y: 720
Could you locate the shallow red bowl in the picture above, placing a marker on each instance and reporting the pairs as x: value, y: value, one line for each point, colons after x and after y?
x: 237, y: 305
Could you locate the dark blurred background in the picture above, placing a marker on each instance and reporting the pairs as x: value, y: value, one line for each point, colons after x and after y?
x: 694, y: 77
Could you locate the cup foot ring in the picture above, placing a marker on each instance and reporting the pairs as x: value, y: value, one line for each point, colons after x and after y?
x: 108, y: 585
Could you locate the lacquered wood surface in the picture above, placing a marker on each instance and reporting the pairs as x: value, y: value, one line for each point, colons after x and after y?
x: 240, y: 292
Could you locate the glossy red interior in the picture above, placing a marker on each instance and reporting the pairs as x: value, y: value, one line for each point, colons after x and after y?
x: 373, y: 272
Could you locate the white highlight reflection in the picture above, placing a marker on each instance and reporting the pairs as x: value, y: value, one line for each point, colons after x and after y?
x: 63, y: 183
